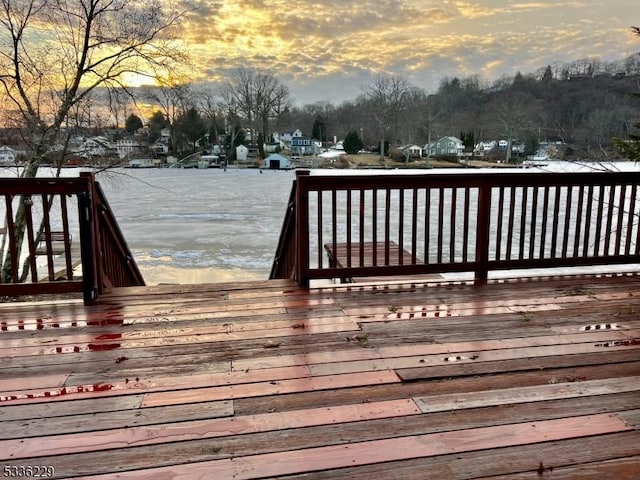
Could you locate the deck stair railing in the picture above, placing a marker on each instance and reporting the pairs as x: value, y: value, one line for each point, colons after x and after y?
x: 349, y: 226
x: 64, y: 249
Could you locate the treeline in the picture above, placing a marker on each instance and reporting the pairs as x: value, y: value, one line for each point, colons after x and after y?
x: 584, y: 105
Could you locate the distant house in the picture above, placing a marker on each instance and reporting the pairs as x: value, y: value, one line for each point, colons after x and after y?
x: 143, y: 163
x: 448, y: 146
x: 7, y: 155
x: 211, y: 161
x: 272, y: 147
x: 128, y: 147
x: 242, y: 153
x: 284, y: 139
x: 253, y: 153
x: 414, y: 151
x: 485, y: 148
x: 275, y: 161
x: 159, y: 148
x: 303, y: 146
x: 97, y: 147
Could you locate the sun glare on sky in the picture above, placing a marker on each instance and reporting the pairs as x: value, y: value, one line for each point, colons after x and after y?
x: 329, y: 50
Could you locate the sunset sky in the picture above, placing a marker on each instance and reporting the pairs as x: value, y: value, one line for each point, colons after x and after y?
x: 330, y: 49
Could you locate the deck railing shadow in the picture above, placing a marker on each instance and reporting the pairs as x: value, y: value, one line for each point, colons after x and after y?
x: 348, y: 226
x: 50, y: 247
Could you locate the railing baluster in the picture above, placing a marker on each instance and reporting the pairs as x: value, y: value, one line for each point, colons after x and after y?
x: 631, y: 220
x: 534, y: 217
x: 374, y: 226
x: 427, y: 224
x: 587, y: 222
x: 320, y: 227
x: 440, y: 223
x: 482, y: 237
x: 387, y: 225
x: 334, y: 221
x: 66, y: 238
x: 414, y: 229
x: 578, y: 228
x: 609, y: 225
x: 465, y: 225
x: 621, y: 203
x: 567, y: 221
x: 599, y: 220
x: 452, y: 226
x: 401, y: 226
x: 557, y: 194
x: 348, y: 232
x: 499, y: 226
x: 545, y: 223
x: 512, y: 207
x: 362, y: 225
x: 31, y: 240
x: 47, y: 235
x: 523, y: 222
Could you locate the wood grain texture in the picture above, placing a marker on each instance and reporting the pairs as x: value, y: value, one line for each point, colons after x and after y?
x: 266, y: 380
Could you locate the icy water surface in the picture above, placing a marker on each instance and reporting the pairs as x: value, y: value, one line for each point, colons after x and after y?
x: 192, y: 226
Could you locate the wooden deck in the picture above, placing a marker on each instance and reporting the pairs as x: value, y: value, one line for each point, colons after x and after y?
x: 513, y: 379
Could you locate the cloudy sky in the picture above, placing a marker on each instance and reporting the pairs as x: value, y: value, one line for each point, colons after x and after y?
x: 330, y: 49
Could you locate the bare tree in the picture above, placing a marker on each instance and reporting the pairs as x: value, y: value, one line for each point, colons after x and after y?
x: 515, y: 113
x: 174, y: 96
x: 54, y: 53
x: 212, y: 109
x: 257, y: 97
x: 87, y: 45
x: 387, y: 96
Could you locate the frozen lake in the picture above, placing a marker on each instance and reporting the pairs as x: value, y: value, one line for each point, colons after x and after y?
x: 193, y: 226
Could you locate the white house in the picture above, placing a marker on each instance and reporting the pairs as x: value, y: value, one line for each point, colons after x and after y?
x: 127, y: 147
x: 285, y: 139
x: 449, y: 146
x: 414, y: 151
x: 484, y: 148
x: 242, y: 153
x: 159, y: 148
x: 7, y: 155
x: 97, y: 146
x: 143, y: 163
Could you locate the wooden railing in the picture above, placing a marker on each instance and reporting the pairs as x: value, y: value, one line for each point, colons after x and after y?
x: 407, y: 224
x: 50, y: 247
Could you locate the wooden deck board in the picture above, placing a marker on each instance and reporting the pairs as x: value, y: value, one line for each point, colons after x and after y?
x: 379, y: 451
x: 262, y: 379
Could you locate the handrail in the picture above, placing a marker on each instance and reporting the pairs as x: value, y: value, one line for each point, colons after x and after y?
x: 459, y: 222
x: 36, y: 215
x: 283, y: 266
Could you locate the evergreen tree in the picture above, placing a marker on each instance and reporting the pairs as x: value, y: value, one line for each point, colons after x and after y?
x: 319, y: 130
x: 190, y: 127
x: 352, y: 142
x: 156, y: 123
x: 133, y: 123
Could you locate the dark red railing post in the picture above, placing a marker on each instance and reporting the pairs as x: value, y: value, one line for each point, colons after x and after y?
x: 88, y: 245
x: 302, y: 229
x: 482, y: 233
